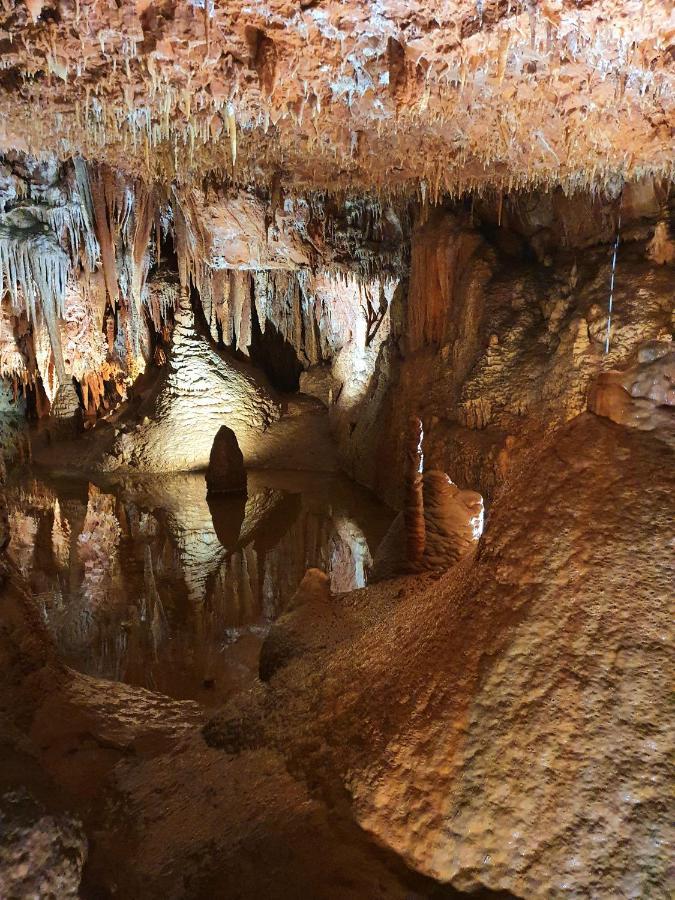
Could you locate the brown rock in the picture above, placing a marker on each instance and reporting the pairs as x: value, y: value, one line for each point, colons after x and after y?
x: 308, y: 620
x: 4, y: 520
x: 226, y: 464
x: 453, y: 518
x: 42, y: 854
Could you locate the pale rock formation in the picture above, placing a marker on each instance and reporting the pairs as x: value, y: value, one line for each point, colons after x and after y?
x: 12, y: 421
x: 240, y: 236
x: 661, y: 248
x: 423, y: 97
x: 318, y: 381
x: 643, y: 395
x: 66, y: 402
x: 198, y: 391
x: 453, y: 520
x: 226, y: 464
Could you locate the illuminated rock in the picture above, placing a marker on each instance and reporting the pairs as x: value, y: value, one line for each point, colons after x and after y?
x: 439, y: 524
x: 66, y: 402
x: 226, y: 471
x: 198, y: 391
x: 507, y: 726
x: 413, y: 99
x: 642, y: 396
x: 453, y: 520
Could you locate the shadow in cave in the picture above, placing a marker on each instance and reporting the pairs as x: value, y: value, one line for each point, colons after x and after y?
x: 271, y: 352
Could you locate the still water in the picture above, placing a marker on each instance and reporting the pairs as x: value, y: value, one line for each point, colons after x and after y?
x: 142, y: 580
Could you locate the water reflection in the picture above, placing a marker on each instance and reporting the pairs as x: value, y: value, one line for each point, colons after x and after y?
x: 145, y: 581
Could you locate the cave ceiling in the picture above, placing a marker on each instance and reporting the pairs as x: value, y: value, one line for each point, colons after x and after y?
x: 397, y: 96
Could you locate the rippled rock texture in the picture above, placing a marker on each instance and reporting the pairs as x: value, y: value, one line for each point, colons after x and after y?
x: 509, y: 725
x: 506, y: 726
x: 491, y: 347
x: 197, y: 393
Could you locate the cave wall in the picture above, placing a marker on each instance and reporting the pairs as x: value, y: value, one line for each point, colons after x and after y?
x: 497, y: 342
x: 487, y: 317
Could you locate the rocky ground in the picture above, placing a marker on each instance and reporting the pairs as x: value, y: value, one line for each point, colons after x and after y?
x: 505, y: 726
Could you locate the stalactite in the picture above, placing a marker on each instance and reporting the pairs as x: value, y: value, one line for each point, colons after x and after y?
x: 34, y: 268
x: 240, y: 298
x: 103, y: 232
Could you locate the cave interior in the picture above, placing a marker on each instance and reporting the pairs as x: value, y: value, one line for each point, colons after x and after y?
x: 337, y: 395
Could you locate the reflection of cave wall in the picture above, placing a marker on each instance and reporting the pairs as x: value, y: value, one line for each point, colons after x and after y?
x: 486, y: 317
x: 146, y: 581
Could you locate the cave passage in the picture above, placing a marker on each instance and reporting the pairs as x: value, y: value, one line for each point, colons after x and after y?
x: 337, y: 420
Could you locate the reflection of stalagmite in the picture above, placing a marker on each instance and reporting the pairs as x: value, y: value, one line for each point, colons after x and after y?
x: 155, y: 614
x: 97, y: 545
x: 60, y: 537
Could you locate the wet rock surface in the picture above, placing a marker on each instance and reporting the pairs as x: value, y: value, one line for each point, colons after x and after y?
x: 522, y: 693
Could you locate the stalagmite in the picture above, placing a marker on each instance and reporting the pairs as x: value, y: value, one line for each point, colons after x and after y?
x: 413, y: 511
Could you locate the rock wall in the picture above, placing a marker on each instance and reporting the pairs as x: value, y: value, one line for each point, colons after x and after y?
x: 508, y: 726
x: 492, y: 347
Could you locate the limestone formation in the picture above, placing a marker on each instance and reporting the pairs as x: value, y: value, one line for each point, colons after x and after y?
x: 439, y: 524
x: 281, y: 283
x: 66, y: 402
x: 464, y: 742
x: 453, y: 520
x: 413, y: 511
x: 409, y: 99
x: 642, y: 396
x: 226, y: 471
x: 198, y: 391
